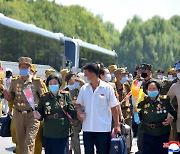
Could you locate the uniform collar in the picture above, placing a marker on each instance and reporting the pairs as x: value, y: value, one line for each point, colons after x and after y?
x: 29, y: 80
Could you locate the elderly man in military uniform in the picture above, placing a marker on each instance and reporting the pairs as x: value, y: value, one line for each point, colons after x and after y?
x: 26, y: 125
x: 112, y: 69
x: 123, y: 88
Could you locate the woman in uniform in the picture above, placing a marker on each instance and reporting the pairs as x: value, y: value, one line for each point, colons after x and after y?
x: 56, y: 109
x: 156, y: 115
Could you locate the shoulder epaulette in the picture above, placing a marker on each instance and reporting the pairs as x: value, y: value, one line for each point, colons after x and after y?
x: 37, y: 79
x: 15, y: 78
x: 162, y: 97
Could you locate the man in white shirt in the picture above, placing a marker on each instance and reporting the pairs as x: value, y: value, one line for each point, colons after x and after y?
x: 100, y: 104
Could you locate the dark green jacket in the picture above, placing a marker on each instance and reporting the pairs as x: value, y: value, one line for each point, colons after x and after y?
x: 155, y: 112
x: 60, y: 127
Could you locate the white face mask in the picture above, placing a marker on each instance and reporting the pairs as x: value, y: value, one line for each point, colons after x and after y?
x: 178, y: 76
x: 108, y: 77
x: 86, y: 79
x: 170, y: 77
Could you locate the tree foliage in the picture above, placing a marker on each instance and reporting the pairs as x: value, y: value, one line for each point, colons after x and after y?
x: 155, y: 41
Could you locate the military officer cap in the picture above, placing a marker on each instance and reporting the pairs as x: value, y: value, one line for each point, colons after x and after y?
x: 49, y: 71
x: 177, y: 66
x: 25, y: 60
x: 33, y: 68
x: 170, y: 70
x: 64, y: 71
x: 120, y: 71
x: 112, y: 67
x: 146, y: 66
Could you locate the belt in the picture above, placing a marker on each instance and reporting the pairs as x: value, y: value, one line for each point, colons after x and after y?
x: 55, y: 116
x: 25, y: 111
x: 153, y: 125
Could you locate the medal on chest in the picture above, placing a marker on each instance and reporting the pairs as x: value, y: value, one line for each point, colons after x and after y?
x: 160, y: 109
x: 48, y: 108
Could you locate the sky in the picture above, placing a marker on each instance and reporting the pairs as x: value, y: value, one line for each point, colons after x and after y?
x: 119, y: 11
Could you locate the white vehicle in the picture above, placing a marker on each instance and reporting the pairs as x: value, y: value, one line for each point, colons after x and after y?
x: 47, y: 48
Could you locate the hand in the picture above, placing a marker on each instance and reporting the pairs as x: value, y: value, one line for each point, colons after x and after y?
x: 37, y: 115
x: 168, y: 120
x: 117, y: 130
x: 81, y: 116
x: 9, y: 113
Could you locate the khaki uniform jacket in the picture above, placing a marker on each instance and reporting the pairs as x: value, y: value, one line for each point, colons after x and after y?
x: 16, y: 92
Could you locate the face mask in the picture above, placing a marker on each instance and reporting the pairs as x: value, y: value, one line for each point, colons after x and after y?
x: 71, y: 87
x: 54, y: 88
x: 123, y: 80
x: 86, y: 80
x: 76, y: 85
x: 130, y: 79
x: 170, y: 77
x: 144, y: 75
x: 24, y: 72
x: 159, y: 76
x: 108, y: 77
x: 152, y: 93
x: 178, y: 76
x: 112, y: 75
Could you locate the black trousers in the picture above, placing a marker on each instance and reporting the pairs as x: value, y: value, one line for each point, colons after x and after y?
x: 154, y: 144
x: 101, y: 140
x: 55, y: 145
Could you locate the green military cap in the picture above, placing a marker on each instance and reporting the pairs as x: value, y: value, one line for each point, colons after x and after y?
x: 120, y: 71
x: 49, y: 71
x: 112, y: 67
x: 146, y: 66
x: 25, y: 60
x: 64, y: 71
x: 170, y: 70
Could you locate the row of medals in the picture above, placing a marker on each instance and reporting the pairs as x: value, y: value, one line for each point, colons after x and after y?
x: 159, y: 108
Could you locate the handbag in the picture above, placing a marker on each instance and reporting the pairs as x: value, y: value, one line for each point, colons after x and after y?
x: 5, y: 123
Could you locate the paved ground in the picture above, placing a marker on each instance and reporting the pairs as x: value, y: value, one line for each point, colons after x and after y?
x: 6, y: 146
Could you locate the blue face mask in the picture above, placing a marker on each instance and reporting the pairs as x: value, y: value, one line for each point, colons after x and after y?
x: 112, y: 75
x: 108, y: 77
x: 76, y: 85
x: 53, y: 88
x: 152, y: 93
x: 24, y: 72
x: 123, y: 80
x: 159, y: 76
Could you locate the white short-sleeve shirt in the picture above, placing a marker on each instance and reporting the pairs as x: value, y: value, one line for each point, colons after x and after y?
x: 98, y: 106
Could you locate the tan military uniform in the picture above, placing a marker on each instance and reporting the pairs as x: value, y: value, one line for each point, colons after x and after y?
x: 26, y: 125
x: 76, y: 128
x: 125, y: 106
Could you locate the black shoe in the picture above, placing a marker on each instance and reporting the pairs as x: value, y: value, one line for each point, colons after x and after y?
x: 14, y: 151
x: 139, y: 152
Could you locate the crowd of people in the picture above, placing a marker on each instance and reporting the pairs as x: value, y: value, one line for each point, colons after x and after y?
x: 46, y: 113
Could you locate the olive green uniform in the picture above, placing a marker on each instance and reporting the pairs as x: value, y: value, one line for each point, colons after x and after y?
x: 26, y: 125
x: 56, y: 123
x: 155, y: 112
